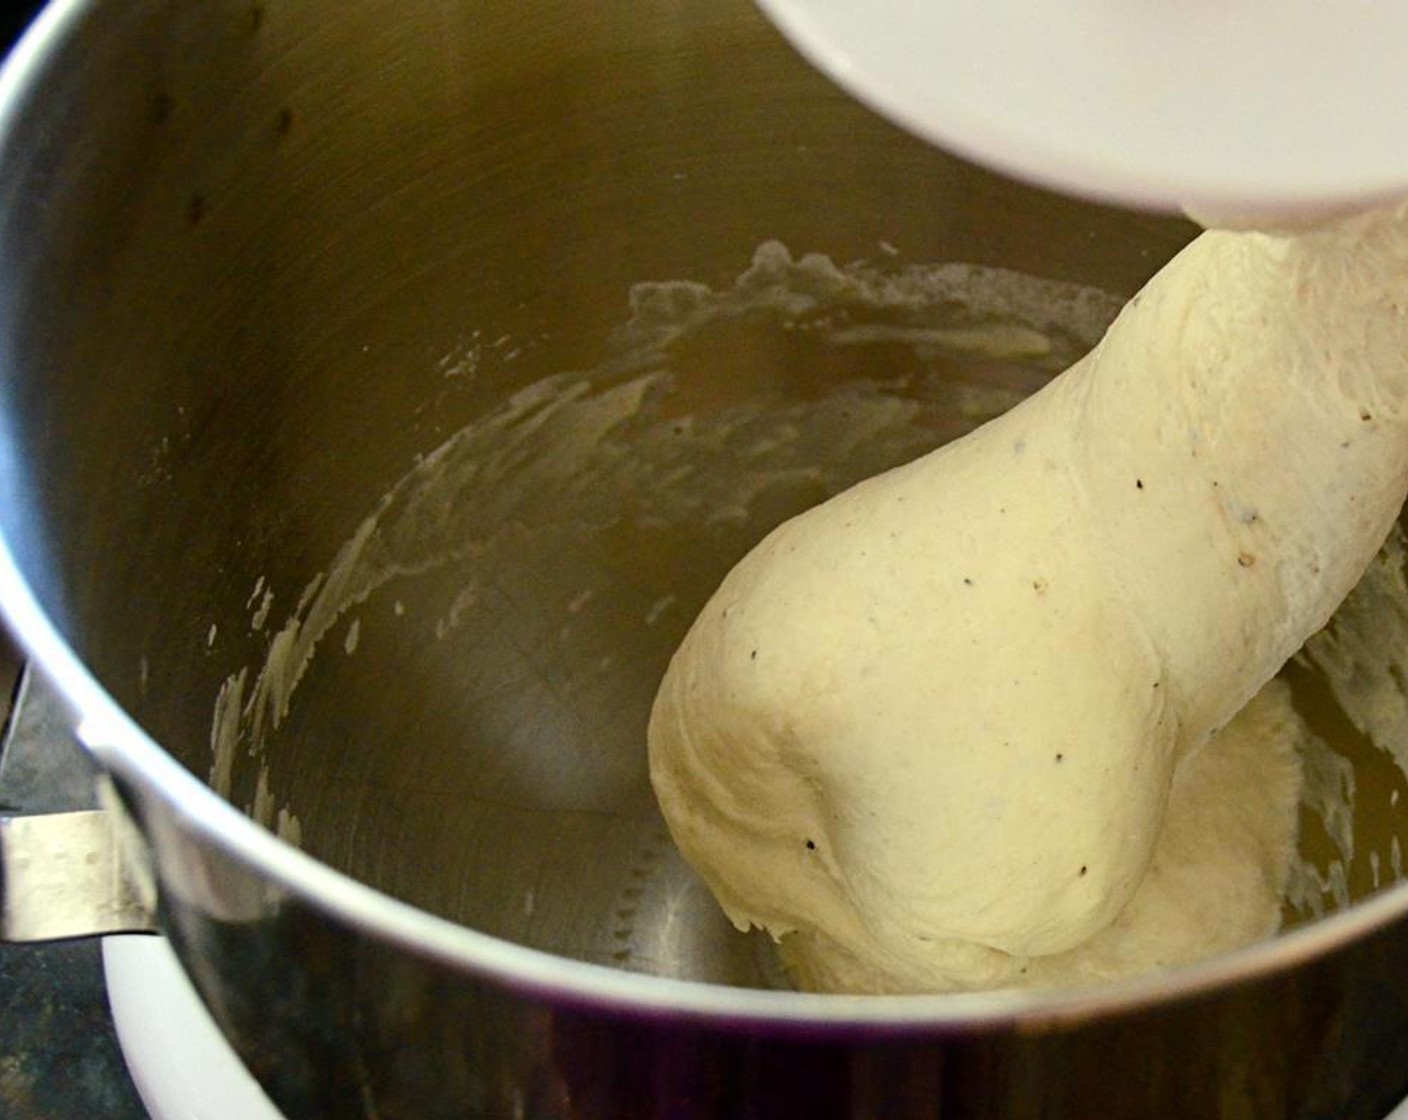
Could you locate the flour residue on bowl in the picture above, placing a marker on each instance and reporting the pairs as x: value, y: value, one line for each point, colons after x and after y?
x: 1360, y: 661
x: 587, y: 445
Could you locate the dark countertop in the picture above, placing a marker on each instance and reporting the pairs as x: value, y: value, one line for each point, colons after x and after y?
x: 59, y: 1057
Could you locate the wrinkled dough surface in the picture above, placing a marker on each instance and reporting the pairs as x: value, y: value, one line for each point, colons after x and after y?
x: 930, y: 727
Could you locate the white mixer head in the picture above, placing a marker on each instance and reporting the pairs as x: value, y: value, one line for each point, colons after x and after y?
x: 1227, y: 109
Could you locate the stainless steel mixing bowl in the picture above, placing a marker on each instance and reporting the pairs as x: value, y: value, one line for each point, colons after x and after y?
x: 264, y: 265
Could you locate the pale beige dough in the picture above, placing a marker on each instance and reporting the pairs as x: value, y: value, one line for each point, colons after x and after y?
x: 931, y: 727
x: 1215, y: 880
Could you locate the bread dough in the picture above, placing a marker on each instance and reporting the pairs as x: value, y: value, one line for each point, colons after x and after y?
x: 927, y: 731
x: 1215, y: 881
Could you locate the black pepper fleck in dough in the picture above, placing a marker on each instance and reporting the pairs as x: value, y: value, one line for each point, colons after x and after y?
x: 1059, y: 757
x: 1139, y: 484
x: 1083, y: 869
x: 811, y: 845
